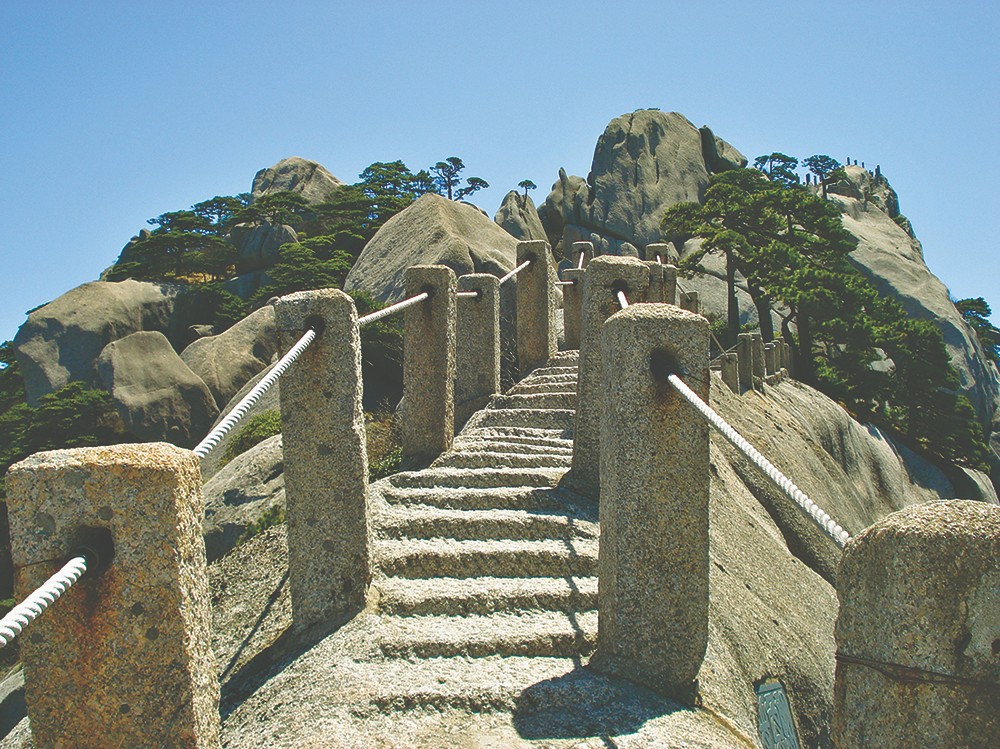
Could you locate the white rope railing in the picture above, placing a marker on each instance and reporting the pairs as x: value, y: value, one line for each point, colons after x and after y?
x: 565, y: 283
x: 822, y: 519
x: 622, y: 299
x: 32, y: 607
x: 579, y: 260
x: 393, y: 308
x: 214, y: 437
x: 518, y: 269
x: 469, y: 294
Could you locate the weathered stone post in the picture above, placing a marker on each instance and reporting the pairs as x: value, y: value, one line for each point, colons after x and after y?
x: 125, y: 657
x: 757, y: 360
x: 730, y: 372
x: 744, y: 351
x: 605, y: 275
x: 660, y: 252
x: 654, y: 562
x: 656, y: 291
x: 477, y: 347
x: 689, y: 301
x: 769, y: 359
x: 584, y: 248
x: 572, y: 300
x: 325, y: 457
x: 918, y: 635
x: 670, y: 284
x: 428, y: 410
x: 536, y: 307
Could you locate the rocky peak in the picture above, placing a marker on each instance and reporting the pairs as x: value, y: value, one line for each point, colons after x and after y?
x: 295, y: 174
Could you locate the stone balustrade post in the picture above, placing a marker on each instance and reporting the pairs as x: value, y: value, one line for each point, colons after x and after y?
x: 605, y: 275
x: 536, y: 307
x: 670, y: 284
x: 572, y: 301
x: 918, y: 634
x: 653, y: 591
x: 730, y: 371
x: 477, y: 346
x: 690, y: 301
x: 656, y: 291
x: 325, y: 458
x: 660, y: 252
x: 744, y: 352
x: 578, y: 248
x: 428, y: 410
x: 125, y: 657
x: 769, y: 359
x: 757, y: 360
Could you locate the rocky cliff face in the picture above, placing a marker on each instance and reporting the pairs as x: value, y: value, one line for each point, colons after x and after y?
x: 295, y: 174
x: 643, y: 163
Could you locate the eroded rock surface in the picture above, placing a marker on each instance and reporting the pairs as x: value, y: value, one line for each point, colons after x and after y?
x: 295, y: 174
x: 519, y: 217
x: 158, y: 397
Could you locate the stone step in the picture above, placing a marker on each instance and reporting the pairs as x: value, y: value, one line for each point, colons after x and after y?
x: 570, y: 356
x: 423, y: 521
x: 555, y: 380
x: 545, y: 418
x: 517, y: 435
x: 496, y: 459
x: 440, y: 557
x: 541, y: 388
x: 542, y: 692
x: 542, y: 634
x: 535, y: 400
x: 485, y: 595
x: 484, y: 478
x: 533, y: 447
x: 557, y: 369
x: 478, y: 498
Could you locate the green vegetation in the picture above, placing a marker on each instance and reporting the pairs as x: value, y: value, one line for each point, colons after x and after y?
x: 272, y: 516
x: 74, y: 416
x: 977, y: 313
x: 259, y: 428
x: 792, y: 252
x: 526, y: 184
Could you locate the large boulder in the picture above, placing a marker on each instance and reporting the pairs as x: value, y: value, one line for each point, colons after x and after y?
x: 158, y: 397
x: 257, y: 244
x: 244, y: 490
x: 433, y: 230
x: 519, y: 218
x: 307, y: 178
x: 644, y: 162
x: 226, y: 362
x: 894, y: 261
x: 60, y: 342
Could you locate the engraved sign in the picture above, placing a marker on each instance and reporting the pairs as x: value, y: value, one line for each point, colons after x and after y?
x: 774, y: 717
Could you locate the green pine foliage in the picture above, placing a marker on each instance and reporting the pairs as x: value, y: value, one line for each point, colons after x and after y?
x: 977, y: 313
x: 792, y: 252
x: 257, y: 429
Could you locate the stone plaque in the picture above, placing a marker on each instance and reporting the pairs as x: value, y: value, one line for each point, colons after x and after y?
x: 774, y: 717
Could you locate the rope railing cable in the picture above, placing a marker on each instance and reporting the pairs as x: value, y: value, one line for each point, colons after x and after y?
x: 787, y: 486
x: 622, y: 299
x: 45, y: 595
x: 565, y: 283
x: 468, y: 294
x: 393, y: 308
x: 518, y: 269
x: 214, y: 437
x: 579, y: 260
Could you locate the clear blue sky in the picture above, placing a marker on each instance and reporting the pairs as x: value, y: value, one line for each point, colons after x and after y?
x: 114, y: 112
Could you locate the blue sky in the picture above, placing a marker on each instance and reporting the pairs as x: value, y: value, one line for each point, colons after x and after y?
x: 114, y: 112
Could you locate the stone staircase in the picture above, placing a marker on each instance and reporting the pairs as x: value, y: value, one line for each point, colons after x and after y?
x: 484, y: 556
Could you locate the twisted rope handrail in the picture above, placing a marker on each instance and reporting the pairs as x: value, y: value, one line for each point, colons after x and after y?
x: 785, y: 484
x: 393, y: 308
x: 214, y: 437
x: 46, y: 594
x: 518, y: 269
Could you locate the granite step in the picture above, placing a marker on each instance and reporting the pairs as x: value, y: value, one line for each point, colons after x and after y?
x: 485, y: 595
x: 425, y: 521
x: 441, y: 557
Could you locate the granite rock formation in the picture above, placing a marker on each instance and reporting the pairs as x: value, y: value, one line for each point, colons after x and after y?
x: 519, y: 217
x: 307, y: 178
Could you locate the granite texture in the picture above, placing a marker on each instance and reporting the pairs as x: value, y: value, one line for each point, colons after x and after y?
x: 917, y: 636
x: 575, y: 248
x: 744, y: 352
x: 536, y: 306
x: 604, y: 276
x: 757, y: 359
x: 326, y: 463
x: 661, y: 252
x: 428, y: 407
x: 657, y: 288
x: 730, y: 372
x: 124, y: 658
x: 477, y: 346
x: 572, y: 301
x: 653, y: 588
x: 670, y: 284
